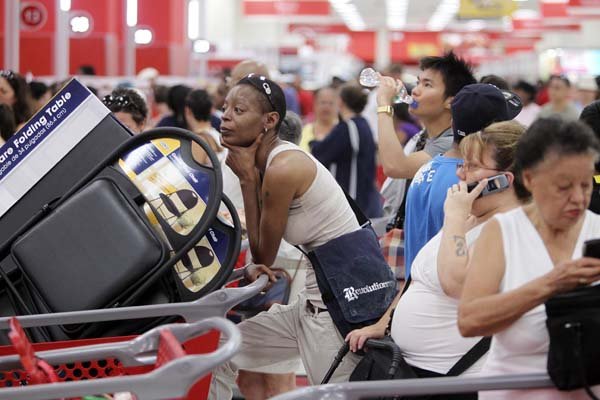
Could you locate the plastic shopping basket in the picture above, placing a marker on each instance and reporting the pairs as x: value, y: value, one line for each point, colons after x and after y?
x: 215, y: 304
x: 174, y: 376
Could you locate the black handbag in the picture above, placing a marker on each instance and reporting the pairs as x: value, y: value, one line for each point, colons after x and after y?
x: 356, y: 283
x: 573, y: 322
x: 383, y: 360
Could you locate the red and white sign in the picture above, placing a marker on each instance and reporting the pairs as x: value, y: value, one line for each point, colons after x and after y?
x: 584, y: 8
x: 584, y: 3
x: 33, y: 15
x: 286, y: 7
x: 546, y: 24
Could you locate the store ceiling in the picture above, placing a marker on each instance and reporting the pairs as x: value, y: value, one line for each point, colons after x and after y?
x: 418, y: 13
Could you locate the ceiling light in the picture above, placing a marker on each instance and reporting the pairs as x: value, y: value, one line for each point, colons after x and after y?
x: 143, y: 36
x: 443, y: 15
x: 475, y: 25
x: 132, y: 11
x: 396, y: 13
x: 525, y: 13
x: 349, y: 14
x: 201, y: 46
x: 193, y: 19
x: 65, y: 5
x: 80, y: 24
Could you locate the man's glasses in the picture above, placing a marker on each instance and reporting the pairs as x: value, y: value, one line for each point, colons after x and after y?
x: 466, y: 167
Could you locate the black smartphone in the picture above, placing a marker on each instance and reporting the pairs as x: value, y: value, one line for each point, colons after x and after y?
x: 591, y: 248
x: 495, y: 184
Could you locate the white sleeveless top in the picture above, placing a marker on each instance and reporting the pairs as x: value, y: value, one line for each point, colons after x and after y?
x: 424, y: 324
x: 322, y: 213
x: 523, y: 346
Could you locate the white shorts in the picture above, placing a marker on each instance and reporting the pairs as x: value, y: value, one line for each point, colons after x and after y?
x: 281, y: 336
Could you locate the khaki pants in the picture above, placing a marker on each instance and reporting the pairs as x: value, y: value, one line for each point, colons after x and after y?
x: 279, y: 337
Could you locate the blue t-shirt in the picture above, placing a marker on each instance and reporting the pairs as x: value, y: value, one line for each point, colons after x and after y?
x: 425, y: 204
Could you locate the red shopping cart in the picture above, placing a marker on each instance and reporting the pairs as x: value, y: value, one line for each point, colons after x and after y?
x: 174, y: 375
x: 215, y: 304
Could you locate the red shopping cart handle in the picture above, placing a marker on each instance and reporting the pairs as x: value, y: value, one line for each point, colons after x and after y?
x: 38, y: 370
x: 172, y: 380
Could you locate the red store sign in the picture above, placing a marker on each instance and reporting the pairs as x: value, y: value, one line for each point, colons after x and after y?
x: 285, y: 7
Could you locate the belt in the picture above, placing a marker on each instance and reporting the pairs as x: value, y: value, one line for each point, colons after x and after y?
x: 314, y: 309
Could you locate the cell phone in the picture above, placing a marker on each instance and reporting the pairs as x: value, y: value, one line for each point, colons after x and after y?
x: 591, y: 248
x: 495, y: 184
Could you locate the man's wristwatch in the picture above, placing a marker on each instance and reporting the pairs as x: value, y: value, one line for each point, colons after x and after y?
x: 389, y: 110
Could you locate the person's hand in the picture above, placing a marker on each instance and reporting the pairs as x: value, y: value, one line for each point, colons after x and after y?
x: 387, y: 90
x: 253, y: 271
x: 459, y: 200
x: 242, y: 160
x: 357, y: 338
x: 571, y: 274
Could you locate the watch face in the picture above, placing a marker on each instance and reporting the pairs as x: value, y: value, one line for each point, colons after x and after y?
x: 385, y: 109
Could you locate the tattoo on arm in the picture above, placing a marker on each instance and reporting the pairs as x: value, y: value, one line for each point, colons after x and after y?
x: 460, y: 248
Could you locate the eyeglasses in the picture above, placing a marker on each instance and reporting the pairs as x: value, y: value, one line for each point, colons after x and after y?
x: 7, y: 73
x: 120, y: 101
x: 466, y: 167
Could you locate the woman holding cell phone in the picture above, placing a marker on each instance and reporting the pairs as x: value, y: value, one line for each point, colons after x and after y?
x: 527, y: 255
x: 424, y: 323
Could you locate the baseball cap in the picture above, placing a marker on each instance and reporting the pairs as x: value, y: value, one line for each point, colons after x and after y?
x: 270, y: 90
x: 478, y: 105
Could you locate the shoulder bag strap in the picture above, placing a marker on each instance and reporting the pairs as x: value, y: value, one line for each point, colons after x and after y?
x: 354, y: 142
x: 471, y: 357
x: 360, y: 216
x: 398, y: 221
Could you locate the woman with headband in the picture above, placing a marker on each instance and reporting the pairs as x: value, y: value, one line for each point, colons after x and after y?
x: 287, y: 194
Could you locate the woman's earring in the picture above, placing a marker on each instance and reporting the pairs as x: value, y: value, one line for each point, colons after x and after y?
x: 266, y: 130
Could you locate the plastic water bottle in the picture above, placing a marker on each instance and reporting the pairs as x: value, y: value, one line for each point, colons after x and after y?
x: 369, y: 78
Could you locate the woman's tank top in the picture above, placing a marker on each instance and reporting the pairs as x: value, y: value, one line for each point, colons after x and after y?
x: 321, y: 214
x: 523, y: 346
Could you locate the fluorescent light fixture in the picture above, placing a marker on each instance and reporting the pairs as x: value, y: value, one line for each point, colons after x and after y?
x: 142, y: 36
x: 396, y: 13
x: 65, y: 5
x: 201, y: 46
x: 525, y: 13
x: 475, y: 25
x: 80, y: 24
x: 349, y: 13
x: 132, y: 12
x: 193, y: 19
x: 444, y: 13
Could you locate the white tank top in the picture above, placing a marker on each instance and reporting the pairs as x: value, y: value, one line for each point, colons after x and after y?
x: 523, y: 346
x: 322, y: 213
x: 424, y: 323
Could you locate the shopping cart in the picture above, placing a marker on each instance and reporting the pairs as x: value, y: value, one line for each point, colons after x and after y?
x: 215, y: 304
x: 173, y: 379
x: 417, y: 387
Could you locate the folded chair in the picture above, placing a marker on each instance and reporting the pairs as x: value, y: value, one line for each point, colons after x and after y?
x: 106, y: 244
